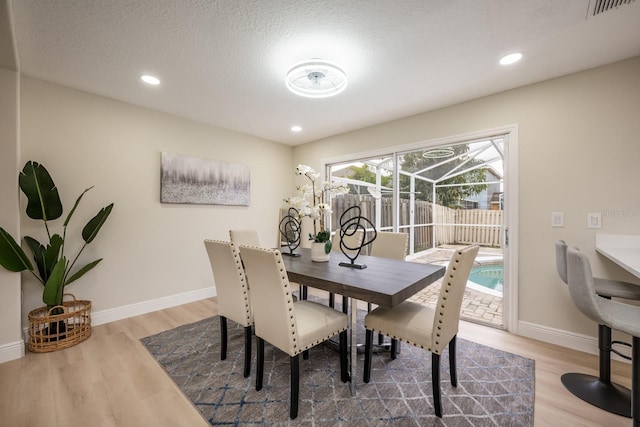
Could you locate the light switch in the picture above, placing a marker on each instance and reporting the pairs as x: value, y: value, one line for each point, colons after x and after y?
x: 594, y: 220
x: 557, y: 219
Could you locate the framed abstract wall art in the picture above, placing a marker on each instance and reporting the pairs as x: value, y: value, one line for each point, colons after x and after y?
x: 194, y: 180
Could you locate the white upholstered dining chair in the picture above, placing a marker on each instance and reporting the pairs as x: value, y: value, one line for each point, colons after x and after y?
x: 293, y: 327
x: 245, y: 237
x: 390, y: 245
x: 432, y: 329
x: 351, y: 241
x: 251, y: 237
x: 600, y: 391
x: 232, y: 293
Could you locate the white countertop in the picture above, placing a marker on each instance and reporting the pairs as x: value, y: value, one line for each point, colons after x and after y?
x: 623, y: 249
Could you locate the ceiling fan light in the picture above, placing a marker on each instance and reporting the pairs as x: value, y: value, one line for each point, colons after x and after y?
x: 438, y: 153
x: 316, y: 79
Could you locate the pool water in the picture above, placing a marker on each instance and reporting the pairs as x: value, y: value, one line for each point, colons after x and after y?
x: 488, y: 276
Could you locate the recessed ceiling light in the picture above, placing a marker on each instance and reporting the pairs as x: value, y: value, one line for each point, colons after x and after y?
x: 511, y: 58
x: 296, y: 128
x: 316, y: 79
x: 150, y: 80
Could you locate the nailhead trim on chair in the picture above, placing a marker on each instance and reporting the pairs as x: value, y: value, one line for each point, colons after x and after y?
x: 404, y: 340
x: 440, y: 314
x: 245, y: 288
x: 311, y: 345
x: 444, y: 298
x: 285, y: 279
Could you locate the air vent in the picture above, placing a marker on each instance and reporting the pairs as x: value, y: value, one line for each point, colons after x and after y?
x: 596, y: 7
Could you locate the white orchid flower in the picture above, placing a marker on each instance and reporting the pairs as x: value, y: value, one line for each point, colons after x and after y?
x: 324, y: 208
x: 336, y: 188
x: 303, y: 169
x: 306, y: 190
x: 307, y: 171
x: 310, y: 194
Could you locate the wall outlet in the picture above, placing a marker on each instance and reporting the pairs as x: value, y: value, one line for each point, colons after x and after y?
x: 594, y: 220
x: 557, y: 219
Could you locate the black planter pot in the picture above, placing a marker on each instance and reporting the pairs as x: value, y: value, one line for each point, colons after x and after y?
x: 57, y: 331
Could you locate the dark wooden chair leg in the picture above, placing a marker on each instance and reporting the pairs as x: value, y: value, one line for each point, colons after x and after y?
x: 259, y: 362
x: 295, y: 385
x: 303, y: 292
x: 394, y: 349
x: 223, y: 338
x: 435, y: 379
x: 452, y: 362
x: 305, y: 355
x: 345, y: 305
x: 344, y: 370
x: 247, y: 351
x: 332, y: 299
x: 368, y: 354
x: 380, y: 336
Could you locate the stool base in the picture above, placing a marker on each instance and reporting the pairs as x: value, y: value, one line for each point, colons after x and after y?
x: 608, y: 396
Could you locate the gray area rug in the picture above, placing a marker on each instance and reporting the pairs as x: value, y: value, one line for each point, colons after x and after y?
x: 495, y: 388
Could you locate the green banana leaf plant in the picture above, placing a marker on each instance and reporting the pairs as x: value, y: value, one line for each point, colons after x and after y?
x: 52, y: 266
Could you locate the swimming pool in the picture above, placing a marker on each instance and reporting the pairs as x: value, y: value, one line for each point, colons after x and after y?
x: 488, y: 276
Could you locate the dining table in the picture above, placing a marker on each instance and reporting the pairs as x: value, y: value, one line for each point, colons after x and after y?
x: 385, y: 282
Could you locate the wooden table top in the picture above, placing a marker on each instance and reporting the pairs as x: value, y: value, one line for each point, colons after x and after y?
x: 386, y: 282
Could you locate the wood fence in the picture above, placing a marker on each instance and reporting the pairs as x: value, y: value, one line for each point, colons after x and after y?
x: 451, y: 226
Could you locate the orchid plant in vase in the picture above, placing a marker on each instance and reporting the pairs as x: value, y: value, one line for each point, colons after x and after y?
x: 311, y: 203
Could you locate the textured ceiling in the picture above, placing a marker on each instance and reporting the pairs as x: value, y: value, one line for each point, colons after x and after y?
x: 224, y: 62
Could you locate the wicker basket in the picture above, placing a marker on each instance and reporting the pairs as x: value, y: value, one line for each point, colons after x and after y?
x: 51, y: 332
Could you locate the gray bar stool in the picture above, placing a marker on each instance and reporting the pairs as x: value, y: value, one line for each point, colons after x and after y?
x: 600, y: 391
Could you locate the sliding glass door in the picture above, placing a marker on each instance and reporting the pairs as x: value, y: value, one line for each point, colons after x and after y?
x: 444, y: 197
x: 440, y: 187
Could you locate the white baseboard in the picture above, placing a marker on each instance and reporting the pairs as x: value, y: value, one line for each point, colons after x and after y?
x: 16, y: 350
x: 11, y: 351
x: 131, y: 310
x: 126, y: 311
x: 580, y: 342
x: 559, y: 337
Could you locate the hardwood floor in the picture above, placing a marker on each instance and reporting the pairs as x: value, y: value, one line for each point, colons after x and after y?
x: 111, y: 380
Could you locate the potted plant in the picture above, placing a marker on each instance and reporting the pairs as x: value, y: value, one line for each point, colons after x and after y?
x: 311, y: 203
x: 53, y: 268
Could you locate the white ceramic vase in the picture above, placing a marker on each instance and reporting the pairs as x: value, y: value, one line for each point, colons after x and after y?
x: 318, y: 253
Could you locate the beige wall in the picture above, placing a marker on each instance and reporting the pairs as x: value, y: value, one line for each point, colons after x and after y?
x: 579, y: 152
x: 150, y: 250
x: 10, y: 328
